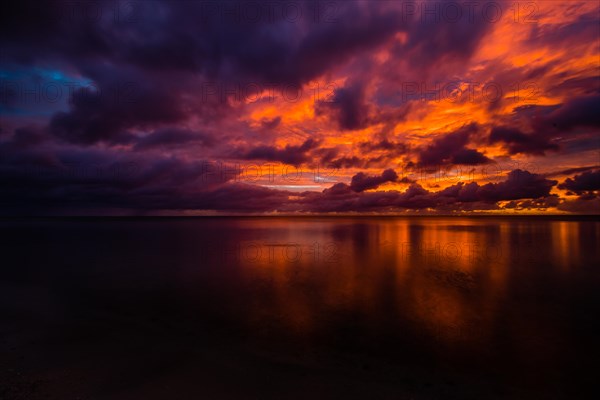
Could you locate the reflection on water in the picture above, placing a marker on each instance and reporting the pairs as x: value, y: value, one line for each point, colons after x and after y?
x: 419, y: 307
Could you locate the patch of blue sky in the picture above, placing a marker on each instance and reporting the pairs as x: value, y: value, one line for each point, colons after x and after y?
x: 37, y: 91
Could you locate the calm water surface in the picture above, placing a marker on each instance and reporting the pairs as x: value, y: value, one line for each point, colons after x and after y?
x: 211, y: 308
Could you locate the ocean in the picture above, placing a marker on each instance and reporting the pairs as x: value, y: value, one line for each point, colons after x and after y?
x: 306, y: 307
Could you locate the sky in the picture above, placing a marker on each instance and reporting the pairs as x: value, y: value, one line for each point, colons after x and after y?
x: 299, y: 107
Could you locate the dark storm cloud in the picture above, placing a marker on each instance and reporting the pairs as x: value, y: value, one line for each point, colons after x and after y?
x: 587, y: 86
x: 385, y: 144
x: 563, y: 34
x: 462, y: 196
x: 348, y: 162
x: 164, y: 50
x: 587, y: 181
x: 450, y: 149
x: 172, y: 137
x: 536, y: 204
x: 98, y: 118
x: 348, y: 107
x: 229, y: 38
x: 359, y: 26
x: 290, y: 154
x: 361, y: 182
x: 587, y: 204
x: 577, y: 112
x: 270, y: 123
x: 577, y: 117
x: 26, y: 137
x: 518, y: 142
x: 65, y: 177
x: 341, y: 198
x: 573, y: 170
x: 519, y: 185
x: 438, y: 39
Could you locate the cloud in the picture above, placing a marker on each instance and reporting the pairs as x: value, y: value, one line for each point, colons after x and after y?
x: 541, y: 203
x: 519, y: 185
x: 577, y: 112
x: 573, y: 170
x: 433, y: 44
x: 582, y: 205
x: 518, y: 142
x: 587, y: 181
x: 348, y: 107
x: 104, y: 116
x: 172, y: 137
x: 450, y: 149
x: 273, y: 123
x: 290, y: 154
x: 362, y: 182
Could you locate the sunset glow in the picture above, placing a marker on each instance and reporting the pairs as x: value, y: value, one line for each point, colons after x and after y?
x: 250, y: 111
